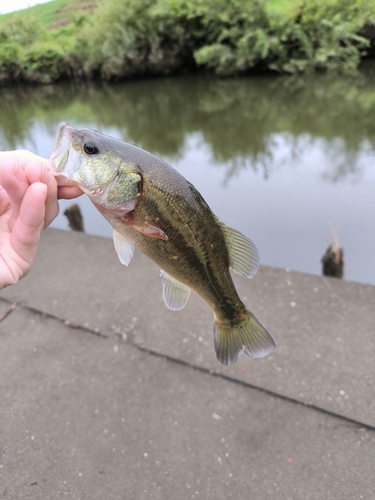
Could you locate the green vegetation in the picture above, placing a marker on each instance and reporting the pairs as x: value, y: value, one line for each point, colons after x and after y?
x: 41, y: 44
x: 51, y: 13
x: 154, y: 37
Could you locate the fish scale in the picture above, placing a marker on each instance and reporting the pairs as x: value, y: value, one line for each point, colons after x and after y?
x: 190, y: 242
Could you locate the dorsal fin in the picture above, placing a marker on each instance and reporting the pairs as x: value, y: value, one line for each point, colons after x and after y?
x: 243, y: 254
x: 175, y: 293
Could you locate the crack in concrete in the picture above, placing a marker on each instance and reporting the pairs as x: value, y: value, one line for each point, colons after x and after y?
x: 66, y: 322
x: 235, y: 380
x: 207, y: 371
x: 10, y: 310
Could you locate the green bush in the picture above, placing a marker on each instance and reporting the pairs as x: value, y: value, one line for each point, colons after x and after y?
x: 41, y: 62
x: 225, y: 37
x: 136, y: 37
x: 12, y: 38
x: 29, y: 52
x: 281, y: 36
x: 9, y: 52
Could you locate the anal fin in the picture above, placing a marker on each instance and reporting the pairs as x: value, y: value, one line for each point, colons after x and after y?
x: 123, y: 247
x: 175, y: 293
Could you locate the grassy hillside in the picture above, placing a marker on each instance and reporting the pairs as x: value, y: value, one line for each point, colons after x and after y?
x: 42, y: 44
x: 51, y: 14
x: 130, y: 38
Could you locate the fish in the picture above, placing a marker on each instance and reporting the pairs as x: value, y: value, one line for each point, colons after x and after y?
x: 153, y: 208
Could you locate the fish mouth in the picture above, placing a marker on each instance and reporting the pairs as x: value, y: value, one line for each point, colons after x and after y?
x: 60, y: 155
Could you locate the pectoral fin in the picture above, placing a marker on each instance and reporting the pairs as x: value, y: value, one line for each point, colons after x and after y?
x: 124, y: 249
x: 144, y: 226
x: 175, y: 293
x: 243, y: 254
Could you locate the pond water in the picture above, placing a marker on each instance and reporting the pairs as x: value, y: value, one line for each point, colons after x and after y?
x: 287, y: 161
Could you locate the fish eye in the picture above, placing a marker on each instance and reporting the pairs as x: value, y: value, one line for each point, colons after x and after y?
x: 90, y: 148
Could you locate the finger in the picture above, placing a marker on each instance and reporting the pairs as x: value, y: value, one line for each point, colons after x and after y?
x: 34, y: 171
x: 27, y: 229
x: 52, y: 205
x: 13, y: 180
x: 37, y: 172
x: 23, y: 156
x: 4, y: 201
x: 69, y: 192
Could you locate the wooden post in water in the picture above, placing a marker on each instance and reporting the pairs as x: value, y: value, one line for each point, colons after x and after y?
x: 333, y: 260
x: 73, y: 213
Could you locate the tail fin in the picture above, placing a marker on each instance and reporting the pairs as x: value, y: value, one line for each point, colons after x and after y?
x: 247, y: 337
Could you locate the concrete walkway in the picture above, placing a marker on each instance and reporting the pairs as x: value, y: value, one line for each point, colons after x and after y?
x: 105, y: 394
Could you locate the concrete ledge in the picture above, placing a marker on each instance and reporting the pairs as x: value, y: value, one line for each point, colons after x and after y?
x: 94, y: 416
x: 324, y: 328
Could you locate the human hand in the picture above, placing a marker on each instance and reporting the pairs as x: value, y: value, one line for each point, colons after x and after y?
x: 28, y: 203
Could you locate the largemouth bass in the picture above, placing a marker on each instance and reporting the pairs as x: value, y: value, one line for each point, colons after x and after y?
x: 155, y: 209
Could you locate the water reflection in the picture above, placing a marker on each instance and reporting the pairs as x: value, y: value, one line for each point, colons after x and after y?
x: 236, y: 118
x: 271, y: 143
